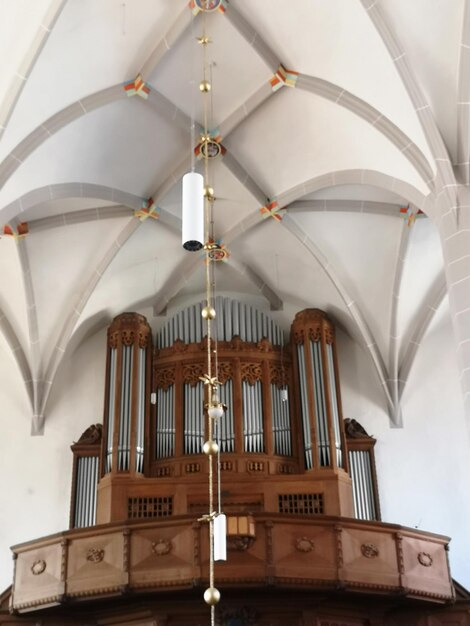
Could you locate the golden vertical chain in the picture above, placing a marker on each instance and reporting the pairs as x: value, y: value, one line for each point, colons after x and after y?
x: 210, y: 388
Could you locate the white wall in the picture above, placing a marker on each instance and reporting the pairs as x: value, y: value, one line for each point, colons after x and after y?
x: 36, y: 471
x: 423, y: 468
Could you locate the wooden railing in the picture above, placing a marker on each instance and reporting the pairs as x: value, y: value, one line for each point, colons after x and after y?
x: 280, y: 549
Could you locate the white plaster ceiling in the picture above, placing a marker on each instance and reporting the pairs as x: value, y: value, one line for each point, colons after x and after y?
x: 78, y: 157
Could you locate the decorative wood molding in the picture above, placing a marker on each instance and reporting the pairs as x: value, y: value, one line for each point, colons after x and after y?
x: 278, y: 374
x: 95, y: 555
x: 165, y: 377
x: 304, y: 544
x: 161, y: 547
x: 251, y: 372
x: 224, y: 372
x: 192, y: 373
x: 425, y: 559
x: 38, y: 567
x: 129, y: 329
x: 92, y: 435
x: 369, y: 550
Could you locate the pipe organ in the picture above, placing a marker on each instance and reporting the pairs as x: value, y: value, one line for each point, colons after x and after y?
x: 293, y: 474
x: 282, y: 416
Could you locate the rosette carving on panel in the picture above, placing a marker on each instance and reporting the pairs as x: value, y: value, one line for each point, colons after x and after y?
x: 161, y: 547
x: 95, y: 555
x: 38, y: 567
x: 369, y: 550
x: 127, y: 337
x: 165, y: 377
x: 224, y: 372
x: 425, y: 559
x: 304, y: 544
x: 192, y: 373
x: 278, y: 374
x: 251, y: 372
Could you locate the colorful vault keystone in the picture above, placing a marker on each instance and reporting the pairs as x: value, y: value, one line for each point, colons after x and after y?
x: 18, y: 232
x: 272, y: 210
x: 409, y: 215
x: 216, y: 251
x: 149, y: 209
x: 137, y: 87
x: 197, y: 6
x: 212, y: 141
x: 283, y: 77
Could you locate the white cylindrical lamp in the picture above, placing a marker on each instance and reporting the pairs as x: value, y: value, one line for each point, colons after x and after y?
x: 220, y: 537
x: 193, y: 211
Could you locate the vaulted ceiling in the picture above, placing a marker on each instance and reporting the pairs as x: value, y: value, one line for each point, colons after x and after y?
x: 315, y: 103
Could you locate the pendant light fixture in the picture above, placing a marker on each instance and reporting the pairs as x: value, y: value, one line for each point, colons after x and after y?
x: 197, y: 234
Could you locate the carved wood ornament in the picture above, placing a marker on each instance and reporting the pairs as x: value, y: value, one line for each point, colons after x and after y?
x: 192, y: 373
x: 251, y: 372
x: 95, y: 555
x: 278, y: 374
x: 165, y: 377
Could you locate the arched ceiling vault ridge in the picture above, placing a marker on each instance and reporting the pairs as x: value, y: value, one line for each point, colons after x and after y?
x: 69, y: 190
x: 27, y: 64
x: 105, y: 96
x: 394, y: 345
x: 430, y: 305
x: 445, y: 182
x: 19, y: 355
x: 325, y: 205
x: 33, y: 327
x: 162, y: 104
x: 356, y: 314
x: 339, y: 96
x: 73, y: 315
x: 463, y: 101
x: 313, y: 249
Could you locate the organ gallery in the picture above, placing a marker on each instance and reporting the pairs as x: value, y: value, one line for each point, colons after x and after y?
x: 296, y: 481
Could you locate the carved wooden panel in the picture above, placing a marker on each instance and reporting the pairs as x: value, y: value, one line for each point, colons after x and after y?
x: 278, y: 374
x: 251, y: 372
x: 192, y: 373
x: 165, y: 377
x: 224, y: 372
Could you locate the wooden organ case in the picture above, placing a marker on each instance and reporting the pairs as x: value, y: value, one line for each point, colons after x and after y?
x: 281, y: 437
x: 298, y: 481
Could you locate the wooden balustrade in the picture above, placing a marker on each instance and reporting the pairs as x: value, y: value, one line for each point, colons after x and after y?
x: 281, y: 549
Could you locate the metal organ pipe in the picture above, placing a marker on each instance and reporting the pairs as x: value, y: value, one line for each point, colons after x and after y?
x: 85, y: 491
x: 111, y: 404
x: 363, y: 490
x: 130, y: 351
x: 305, y: 409
x: 313, y: 340
x: 233, y: 318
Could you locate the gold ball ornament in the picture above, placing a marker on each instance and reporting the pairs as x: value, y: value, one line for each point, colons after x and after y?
x: 204, y: 86
x: 211, y: 596
x: 208, y: 313
x: 210, y: 448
